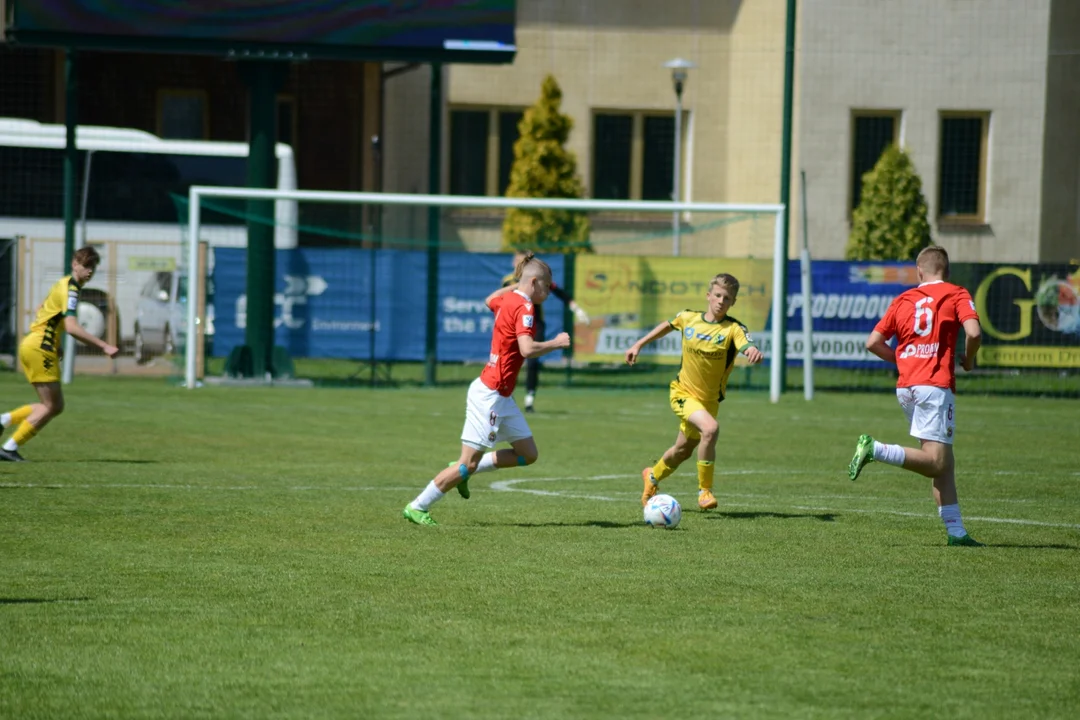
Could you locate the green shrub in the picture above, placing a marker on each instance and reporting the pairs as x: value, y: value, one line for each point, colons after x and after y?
x: 544, y: 168
x: 890, y: 222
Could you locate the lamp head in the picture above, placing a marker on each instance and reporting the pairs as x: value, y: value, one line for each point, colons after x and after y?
x: 679, y: 68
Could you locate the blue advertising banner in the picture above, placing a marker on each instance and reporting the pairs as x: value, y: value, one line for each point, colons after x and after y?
x: 337, y: 302
x: 848, y: 299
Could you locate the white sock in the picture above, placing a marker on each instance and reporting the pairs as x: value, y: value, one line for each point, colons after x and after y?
x: 529, y: 398
x: 486, y: 464
x: 950, y: 515
x: 889, y: 454
x: 5, y: 419
x: 11, y: 445
x: 431, y: 495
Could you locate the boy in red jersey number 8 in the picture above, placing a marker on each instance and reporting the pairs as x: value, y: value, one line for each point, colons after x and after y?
x: 925, y: 322
x: 491, y: 415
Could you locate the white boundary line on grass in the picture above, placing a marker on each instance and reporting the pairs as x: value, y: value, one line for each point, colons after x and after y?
x: 510, y: 485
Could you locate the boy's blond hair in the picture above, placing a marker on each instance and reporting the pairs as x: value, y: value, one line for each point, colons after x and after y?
x: 934, y: 260
x: 726, y: 280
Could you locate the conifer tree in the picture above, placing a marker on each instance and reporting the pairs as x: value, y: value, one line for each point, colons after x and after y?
x: 544, y: 168
x: 890, y: 222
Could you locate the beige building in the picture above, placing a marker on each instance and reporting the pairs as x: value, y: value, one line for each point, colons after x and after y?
x: 608, y: 57
x: 985, y: 94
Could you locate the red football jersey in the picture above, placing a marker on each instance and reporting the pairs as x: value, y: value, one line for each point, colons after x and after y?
x: 515, y: 315
x: 926, y: 321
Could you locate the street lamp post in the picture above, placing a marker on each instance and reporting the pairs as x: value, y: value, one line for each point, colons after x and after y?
x: 679, y: 68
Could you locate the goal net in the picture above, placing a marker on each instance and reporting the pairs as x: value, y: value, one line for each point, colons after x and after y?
x: 352, y: 301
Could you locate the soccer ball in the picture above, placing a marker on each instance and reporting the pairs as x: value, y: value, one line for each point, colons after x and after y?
x: 663, y: 511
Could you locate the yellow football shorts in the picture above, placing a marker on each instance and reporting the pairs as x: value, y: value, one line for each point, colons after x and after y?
x: 39, y: 366
x: 684, y: 405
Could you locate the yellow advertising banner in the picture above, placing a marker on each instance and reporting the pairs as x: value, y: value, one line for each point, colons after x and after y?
x: 626, y: 296
x: 1034, y: 356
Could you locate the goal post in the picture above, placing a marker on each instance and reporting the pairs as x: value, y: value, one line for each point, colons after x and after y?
x: 199, y: 195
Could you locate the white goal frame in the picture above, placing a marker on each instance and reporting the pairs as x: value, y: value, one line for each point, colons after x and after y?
x: 780, y: 250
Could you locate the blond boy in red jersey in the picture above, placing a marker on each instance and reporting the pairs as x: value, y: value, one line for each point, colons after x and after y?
x: 926, y: 321
x: 491, y: 415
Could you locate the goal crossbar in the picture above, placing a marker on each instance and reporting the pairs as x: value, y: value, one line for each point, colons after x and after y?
x: 197, y: 192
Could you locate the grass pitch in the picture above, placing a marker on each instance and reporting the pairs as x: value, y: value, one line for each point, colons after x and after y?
x: 234, y: 552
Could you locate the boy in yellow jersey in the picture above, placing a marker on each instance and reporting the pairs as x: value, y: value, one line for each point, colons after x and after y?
x: 710, y: 342
x: 39, y: 353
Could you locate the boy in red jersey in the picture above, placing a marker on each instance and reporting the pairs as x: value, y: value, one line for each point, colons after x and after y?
x: 491, y: 415
x: 926, y: 321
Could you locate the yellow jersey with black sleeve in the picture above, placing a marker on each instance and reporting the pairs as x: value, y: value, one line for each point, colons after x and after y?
x: 708, y: 353
x: 47, y: 330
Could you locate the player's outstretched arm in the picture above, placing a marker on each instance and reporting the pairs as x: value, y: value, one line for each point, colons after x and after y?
x: 71, y: 324
x: 753, y: 354
x: 973, y: 331
x: 878, y: 345
x: 530, y: 348
x: 579, y: 312
x: 655, y: 334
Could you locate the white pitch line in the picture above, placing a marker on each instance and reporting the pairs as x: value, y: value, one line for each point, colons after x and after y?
x: 509, y: 486
x: 226, y: 488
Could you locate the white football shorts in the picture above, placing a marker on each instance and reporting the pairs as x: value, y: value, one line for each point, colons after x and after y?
x: 931, y: 412
x: 491, y: 418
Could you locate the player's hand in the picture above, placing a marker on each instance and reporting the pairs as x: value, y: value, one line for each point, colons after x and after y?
x: 631, y: 355
x: 968, y: 363
x: 110, y: 350
x: 562, y: 340
x: 580, y: 315
x: 753, y: 355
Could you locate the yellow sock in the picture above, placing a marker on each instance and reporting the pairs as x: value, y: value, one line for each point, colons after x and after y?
x: 24, y: 434
x: 19, y: 414
x: 661, y: 470
x: 705, y: 474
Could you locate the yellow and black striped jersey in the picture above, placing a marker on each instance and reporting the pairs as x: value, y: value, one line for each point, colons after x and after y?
x: 48, y: 325
x: 708, y: 352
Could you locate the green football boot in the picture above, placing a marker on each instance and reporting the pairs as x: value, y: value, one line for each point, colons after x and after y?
x: 420, y: 517
x: 965, y: 541
x: 864, y: 454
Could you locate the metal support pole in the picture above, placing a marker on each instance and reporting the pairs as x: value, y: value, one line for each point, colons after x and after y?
x: 808, y: 301
x: 71, y: 158
x: 434, y: 186
x: 779, y: 352
x: 263, y: 79
x: 676, y: 230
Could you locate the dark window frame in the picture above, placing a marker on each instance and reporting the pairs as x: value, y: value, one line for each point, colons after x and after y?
x: 855, y: 176
x: 950, y: 162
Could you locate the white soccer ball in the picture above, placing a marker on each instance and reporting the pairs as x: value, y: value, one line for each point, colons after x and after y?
x: 663, y: 511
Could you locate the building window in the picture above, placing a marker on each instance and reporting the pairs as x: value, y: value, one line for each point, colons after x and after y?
x: 871, y: 132
x: 962, y: 167
x: 633, y: 156
x: 482, y: 150
x: 182, y: 114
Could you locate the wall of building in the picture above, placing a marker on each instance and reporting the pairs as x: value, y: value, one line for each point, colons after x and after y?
x: 609, y: 55
x: 923, y: 57
x: 1060, y: 231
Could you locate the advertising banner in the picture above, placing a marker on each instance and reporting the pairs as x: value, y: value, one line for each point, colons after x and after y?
x: 848, y: 299
x: 1030, y: 314
x: 626, y: 296
x: 337, y: 302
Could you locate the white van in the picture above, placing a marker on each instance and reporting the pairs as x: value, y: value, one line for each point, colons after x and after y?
x: 127, y: 182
